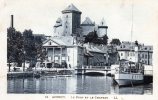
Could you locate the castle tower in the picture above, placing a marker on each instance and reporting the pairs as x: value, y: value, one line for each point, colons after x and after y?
x: 102, y: 28
x: 87, y: 26
x: 71, y: 21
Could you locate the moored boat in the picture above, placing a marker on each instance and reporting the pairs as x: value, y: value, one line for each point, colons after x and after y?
x: 129, y: 73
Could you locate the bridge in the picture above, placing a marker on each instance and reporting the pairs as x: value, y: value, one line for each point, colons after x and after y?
x: 93, y: 70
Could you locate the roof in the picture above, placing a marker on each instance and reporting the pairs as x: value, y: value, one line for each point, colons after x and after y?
x: 57, y: 24
x: 88, y: 54
x: 62, y: 40
x: 93, y: 48
x: 103, y: 23
x: 58, y: 20
x: 88, y: 21
x: 71, y: 8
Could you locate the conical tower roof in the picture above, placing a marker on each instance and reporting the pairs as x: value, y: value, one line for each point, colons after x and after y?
x: 102, y: 23
x: 58, y: 20
x: 87, y: 21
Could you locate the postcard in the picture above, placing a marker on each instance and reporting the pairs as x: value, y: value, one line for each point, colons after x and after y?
x: 82, y: 50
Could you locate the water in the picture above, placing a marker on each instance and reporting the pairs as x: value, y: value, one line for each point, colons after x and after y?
x: 73, y: 85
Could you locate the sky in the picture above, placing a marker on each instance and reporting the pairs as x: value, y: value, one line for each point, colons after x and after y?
x: 40, y: 16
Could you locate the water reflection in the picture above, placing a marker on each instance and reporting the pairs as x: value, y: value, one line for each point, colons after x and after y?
x: 73, y: 85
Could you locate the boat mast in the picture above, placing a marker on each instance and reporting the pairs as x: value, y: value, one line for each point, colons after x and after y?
x: 131, y: 47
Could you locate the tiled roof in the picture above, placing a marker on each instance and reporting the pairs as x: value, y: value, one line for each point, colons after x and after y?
x: 92, y: 48
x: 62, y: 40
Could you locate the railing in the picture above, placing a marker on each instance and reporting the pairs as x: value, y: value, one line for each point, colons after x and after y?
x: 96, y: 67
x: 148, y: 72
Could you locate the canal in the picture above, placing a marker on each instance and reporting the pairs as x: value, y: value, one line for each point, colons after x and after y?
x: 77, y: 84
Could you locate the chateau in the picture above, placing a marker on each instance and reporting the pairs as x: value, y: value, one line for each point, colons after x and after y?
x: 70, y: 24
x: 66, y: 48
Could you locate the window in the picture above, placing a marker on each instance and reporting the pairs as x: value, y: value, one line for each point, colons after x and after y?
x: 68, y: 58
x: 121, y: 54
x: 145, y: 56
x: 50, y: 43
x: 131, y: 54
x: 142, y: 55
x: 145, y: 61
x: 66, y: 16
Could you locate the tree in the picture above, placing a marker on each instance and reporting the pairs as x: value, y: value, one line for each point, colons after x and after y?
x: 14, y: 46
x: 10, y: 44
x: 115, y: 42
x: 40, y: 51
x: 91, y: 37
x: 29, y: 46
x: 105, y: 39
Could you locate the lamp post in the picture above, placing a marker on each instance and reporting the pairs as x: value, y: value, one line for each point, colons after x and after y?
x: 24, y: 61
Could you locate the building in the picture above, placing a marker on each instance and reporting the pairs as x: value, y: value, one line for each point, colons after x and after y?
x: 66, y: 47
x: 98, y: 55
x: 136, y: 53
x: 62, y: 52
x: 70, y: 24
x: 87, y: 26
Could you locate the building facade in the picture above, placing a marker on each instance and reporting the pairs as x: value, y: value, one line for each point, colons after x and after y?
x: 135, y: 53
x: 63, y: 53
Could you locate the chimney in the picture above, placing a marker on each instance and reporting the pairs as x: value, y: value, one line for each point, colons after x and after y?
x: 12, y: 21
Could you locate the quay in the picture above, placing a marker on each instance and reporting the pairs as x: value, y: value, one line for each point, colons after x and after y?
x: 40, y: 73
x: 22, y: 74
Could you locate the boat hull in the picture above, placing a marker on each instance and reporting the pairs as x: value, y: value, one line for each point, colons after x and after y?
x: 126, y: 82
x: 129, y: 79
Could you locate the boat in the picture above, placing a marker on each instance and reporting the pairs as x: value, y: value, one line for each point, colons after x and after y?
x: 129, y: 73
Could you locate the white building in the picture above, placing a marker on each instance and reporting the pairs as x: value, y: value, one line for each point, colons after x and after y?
x: 62, y: 52
x: 132, y: 52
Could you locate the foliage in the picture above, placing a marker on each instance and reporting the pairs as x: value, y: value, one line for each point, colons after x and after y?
x: 21, y: 47
x: 15, y: 46
x: 92, y: 37
x: 115, y: 42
